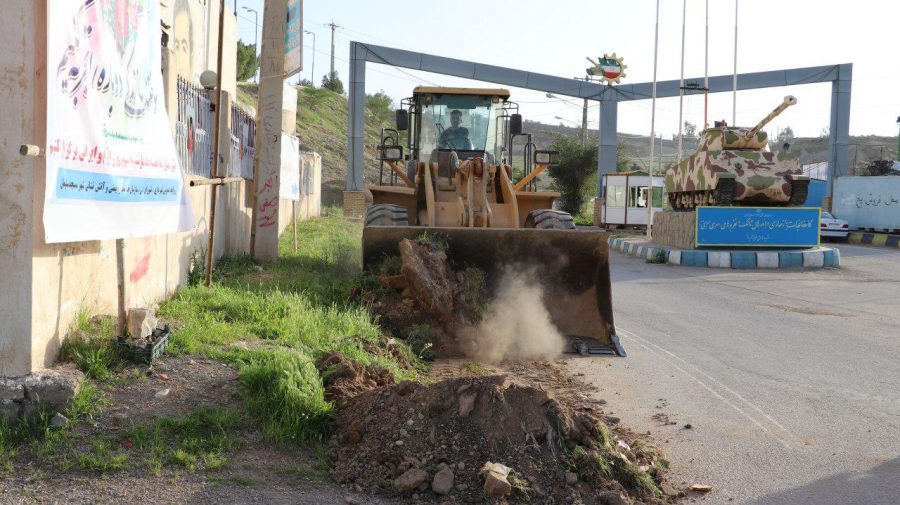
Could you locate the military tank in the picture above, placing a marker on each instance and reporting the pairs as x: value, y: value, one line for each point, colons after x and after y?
x: 733, y: 166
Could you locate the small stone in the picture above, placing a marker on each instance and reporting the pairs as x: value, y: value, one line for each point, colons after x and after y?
x: 163, y: 377
x: 162, y: 393
x: 349, y: 500
x: 495, y: 483
x: 11, y: 390
x: 668, y: 489
x: 461, y: 487
x: 398, y: 443
x: 466, y: 404
x: 443, y: 481
x: 571, y: 478
x: 59, y: 421
x: 415, y: 496
x: 611, y: 498
x: 461, y: 466
x: 688, y: 426
x: 411, y: 479
x: 141, y: 322
x: 700, y: 488
x: 119, y: 419
x: 403, y: 433
x: 54, y: 387
x: 410, y: 422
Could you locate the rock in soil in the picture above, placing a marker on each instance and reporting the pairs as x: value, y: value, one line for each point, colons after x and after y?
x: 495, y: 479
x: 410, y: 480
x: 611, y: 498
x: 443, y: 481
x: 428, y: 278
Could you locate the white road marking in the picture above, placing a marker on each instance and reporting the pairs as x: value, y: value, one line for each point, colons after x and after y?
x: 649, y: 346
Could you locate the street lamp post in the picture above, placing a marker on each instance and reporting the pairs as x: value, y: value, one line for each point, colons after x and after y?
x: 255, y: 35
x: 313, y: 75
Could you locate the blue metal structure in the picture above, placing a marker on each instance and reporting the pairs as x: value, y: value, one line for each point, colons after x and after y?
x: 609, y: 97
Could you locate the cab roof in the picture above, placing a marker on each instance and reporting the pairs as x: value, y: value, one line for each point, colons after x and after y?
x: 433, y: 90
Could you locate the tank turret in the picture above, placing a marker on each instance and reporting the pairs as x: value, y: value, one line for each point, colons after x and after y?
x: 732, y: 166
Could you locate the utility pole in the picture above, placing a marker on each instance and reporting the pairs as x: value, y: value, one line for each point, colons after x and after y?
x: 313, y: 76
x: 333, y: 28
x: 584, y: 128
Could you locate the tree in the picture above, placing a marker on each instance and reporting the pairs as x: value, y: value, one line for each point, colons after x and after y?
x: 785, y: 135
x: 690, y: 129
x: 306, y: 83
x: 380, y: 106
x: 576, y: 164
x: 246, y: 61
x: 333, y: 82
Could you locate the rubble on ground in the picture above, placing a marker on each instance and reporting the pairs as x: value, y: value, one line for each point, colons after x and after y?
x: 478, y: 439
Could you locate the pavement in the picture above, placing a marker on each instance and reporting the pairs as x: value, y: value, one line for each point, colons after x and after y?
x: 790, y: 380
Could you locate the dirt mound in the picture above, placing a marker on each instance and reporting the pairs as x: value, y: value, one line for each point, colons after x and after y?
x: 344, y: 378
x: 435, y: 440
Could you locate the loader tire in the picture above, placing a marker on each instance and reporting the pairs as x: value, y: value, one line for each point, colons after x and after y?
x: 387, y: 215
x: 549, y: 219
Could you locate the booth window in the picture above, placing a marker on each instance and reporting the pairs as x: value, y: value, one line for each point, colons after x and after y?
x: 615, y: 196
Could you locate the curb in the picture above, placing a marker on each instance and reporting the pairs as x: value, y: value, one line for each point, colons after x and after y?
x: 823, y: 257
x: 876, y: 239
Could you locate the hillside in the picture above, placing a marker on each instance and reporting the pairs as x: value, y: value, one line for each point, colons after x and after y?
x: 863, y: 149
x: 322, y: 127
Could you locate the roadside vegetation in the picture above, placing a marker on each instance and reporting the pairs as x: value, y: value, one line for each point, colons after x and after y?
x: 269, y: 322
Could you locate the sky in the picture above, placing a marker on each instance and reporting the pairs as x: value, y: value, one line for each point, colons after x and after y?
x: 555, y: 37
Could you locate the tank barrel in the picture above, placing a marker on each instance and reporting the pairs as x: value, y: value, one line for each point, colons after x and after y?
x: 788, y: 101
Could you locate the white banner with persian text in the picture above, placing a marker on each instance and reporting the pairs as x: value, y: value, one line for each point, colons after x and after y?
x: 112, y: 167
x: 290, y: 167
x: 868, y: 202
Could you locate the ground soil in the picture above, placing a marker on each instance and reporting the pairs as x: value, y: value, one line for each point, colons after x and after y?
x: 528, y: 416
x: 257, y: 471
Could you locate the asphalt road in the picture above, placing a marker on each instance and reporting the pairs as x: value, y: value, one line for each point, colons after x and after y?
x: 790, y: 380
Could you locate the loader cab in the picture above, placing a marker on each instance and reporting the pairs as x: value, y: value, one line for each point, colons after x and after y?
x: 470, y: 122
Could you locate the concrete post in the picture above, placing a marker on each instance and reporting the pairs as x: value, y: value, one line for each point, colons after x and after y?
x: 17, y: 174
x: 354, y: 194
x: 839, y: 131
x: 268, y: 136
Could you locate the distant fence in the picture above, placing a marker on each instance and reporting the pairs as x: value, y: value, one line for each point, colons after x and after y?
x: 243, y: 142
x: 193, y: 129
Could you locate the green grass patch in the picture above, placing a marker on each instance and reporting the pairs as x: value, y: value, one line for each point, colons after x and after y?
x: 285, y: 389
x: 90, y: 345
x: 199, y: 441
x: 272, y: 321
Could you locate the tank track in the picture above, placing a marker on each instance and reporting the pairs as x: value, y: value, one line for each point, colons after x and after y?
x: 799, y: 193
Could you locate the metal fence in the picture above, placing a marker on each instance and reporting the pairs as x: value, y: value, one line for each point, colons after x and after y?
x: 193, y: 129
x: 243, y: 143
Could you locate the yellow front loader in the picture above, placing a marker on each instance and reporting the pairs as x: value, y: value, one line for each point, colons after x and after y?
x: 456, y: 179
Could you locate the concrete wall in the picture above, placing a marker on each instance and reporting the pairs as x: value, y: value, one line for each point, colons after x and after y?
x: 309, y: 205
x: 17, y: 100
x: 45, y: 285
x: 871, y: 203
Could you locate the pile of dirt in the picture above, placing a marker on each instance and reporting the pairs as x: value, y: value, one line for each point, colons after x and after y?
x: 477, y: 439
x: 344, y: 378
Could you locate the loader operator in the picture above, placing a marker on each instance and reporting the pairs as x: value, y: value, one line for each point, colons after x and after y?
x: 455, y: 137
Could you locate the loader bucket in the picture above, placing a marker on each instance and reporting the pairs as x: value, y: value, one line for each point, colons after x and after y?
x: 572, y: 266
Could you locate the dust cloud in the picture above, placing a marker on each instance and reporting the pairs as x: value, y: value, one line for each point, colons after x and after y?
x: 516, y: 324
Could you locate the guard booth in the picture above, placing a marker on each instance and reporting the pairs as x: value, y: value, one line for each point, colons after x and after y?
x: 625, y: 198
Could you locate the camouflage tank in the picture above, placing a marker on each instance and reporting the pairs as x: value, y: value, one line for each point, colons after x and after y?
x: 732, y: 166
